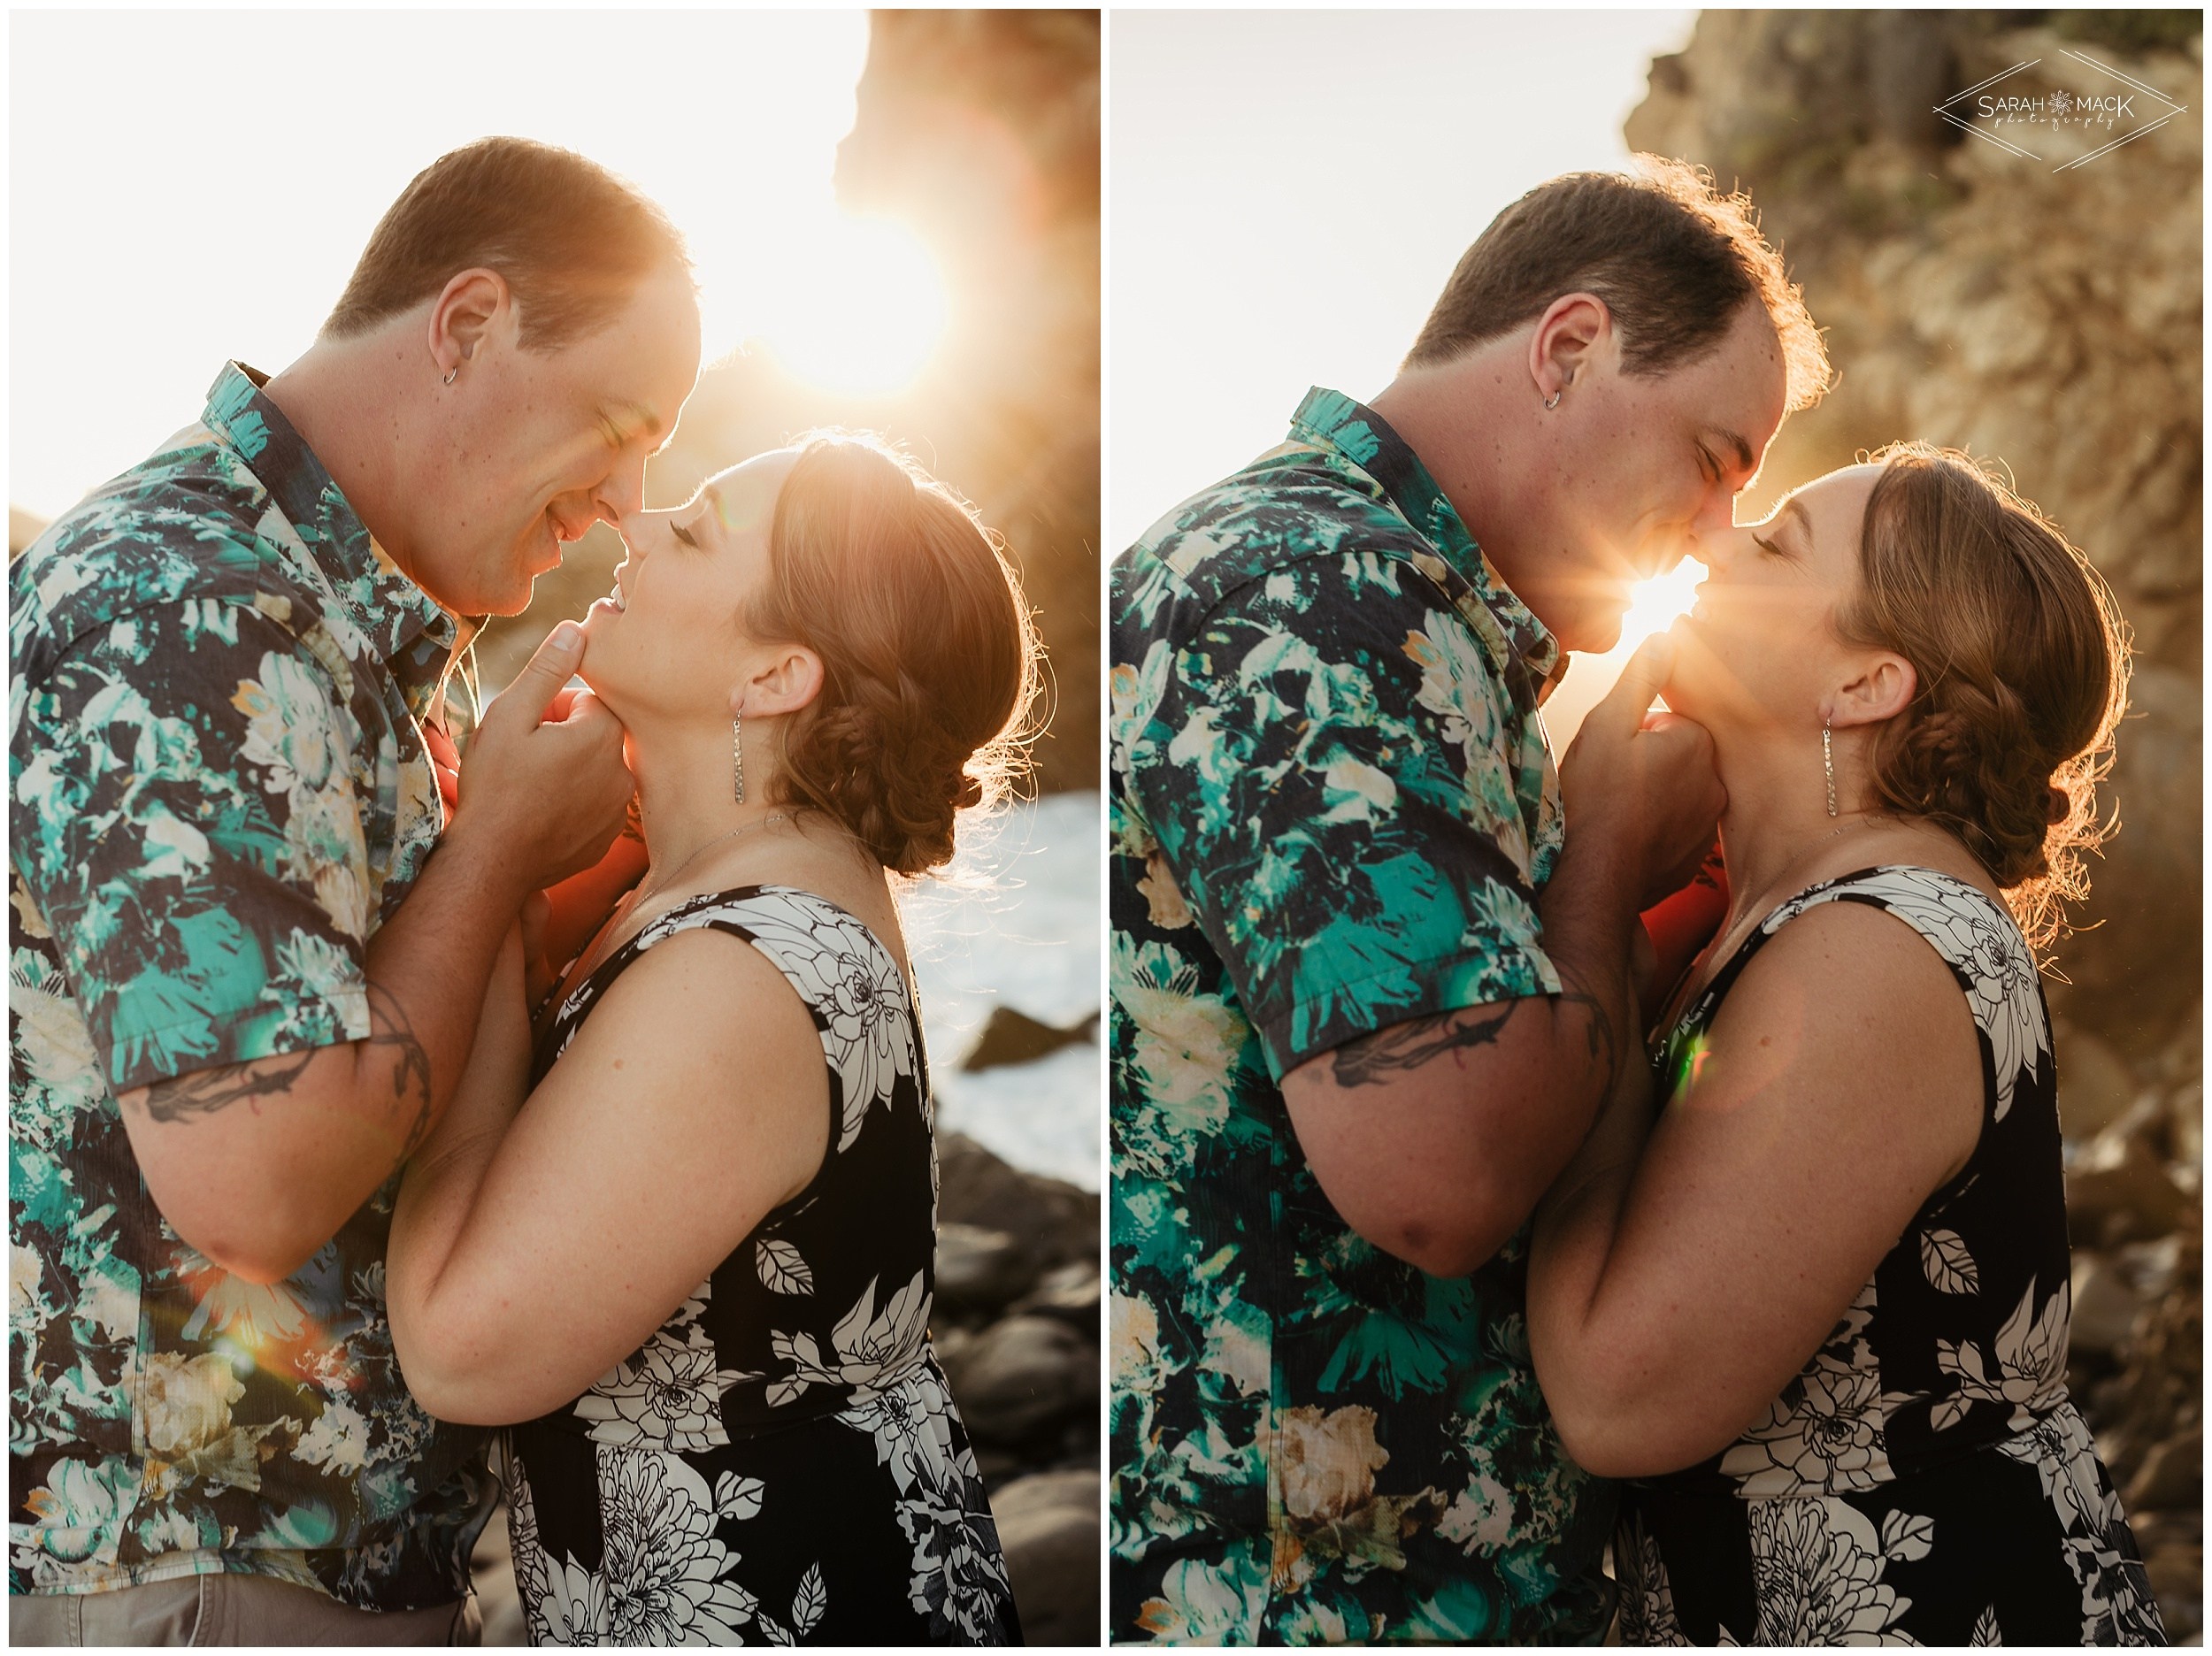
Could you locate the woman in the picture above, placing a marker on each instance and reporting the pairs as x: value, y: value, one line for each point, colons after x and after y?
x: 696, y: 1260
x: 1817, y: 1305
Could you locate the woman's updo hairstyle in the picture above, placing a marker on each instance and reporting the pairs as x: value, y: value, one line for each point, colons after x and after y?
x: 928, y: 652
x: 2022, y: 671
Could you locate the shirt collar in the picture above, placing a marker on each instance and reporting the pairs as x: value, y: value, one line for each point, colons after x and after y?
x: 1362, y: 439
x: 416, y: 638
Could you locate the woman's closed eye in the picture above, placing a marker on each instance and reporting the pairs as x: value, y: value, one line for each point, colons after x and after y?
x: 683, y: 535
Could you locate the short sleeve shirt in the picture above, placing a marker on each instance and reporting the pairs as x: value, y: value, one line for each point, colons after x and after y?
x: 1332, y: 810
x: 219, y: 788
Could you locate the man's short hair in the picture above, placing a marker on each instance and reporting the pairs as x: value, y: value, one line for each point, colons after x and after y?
x: 1673, y: 259
x: 572, y: 240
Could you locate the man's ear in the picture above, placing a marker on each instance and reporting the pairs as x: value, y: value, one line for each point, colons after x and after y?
x: 1567, y: 335
x: 1883, y: 687
x: 463, y: 315
x: 788, y: 679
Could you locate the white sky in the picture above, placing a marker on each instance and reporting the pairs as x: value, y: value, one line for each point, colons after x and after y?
x: 1289, y: 194
x: 188, y: 187
x: 1289, y: 191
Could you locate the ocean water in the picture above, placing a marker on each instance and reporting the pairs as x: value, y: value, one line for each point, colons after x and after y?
x: 1017, y: 925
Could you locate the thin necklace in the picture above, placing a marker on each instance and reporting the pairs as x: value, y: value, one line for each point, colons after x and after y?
x: 1790, y: 867
x: 638, y: 898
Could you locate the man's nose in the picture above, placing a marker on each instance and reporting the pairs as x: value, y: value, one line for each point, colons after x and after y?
x: 1716, y: 549
x: 1716, y: 515
x: 621, y: 494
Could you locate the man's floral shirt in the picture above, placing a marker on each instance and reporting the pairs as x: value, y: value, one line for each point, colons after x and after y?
x: 1332, y: 810
x: 217, y: 790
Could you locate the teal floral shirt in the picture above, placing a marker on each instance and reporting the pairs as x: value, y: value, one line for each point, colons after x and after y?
x: 1331, y: 810
x: 217, y: 790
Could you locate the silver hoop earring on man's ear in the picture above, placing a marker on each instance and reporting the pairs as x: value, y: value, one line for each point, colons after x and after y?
x: 1828, y: 764
x: 452, y: 374
x: 737, y: 756
x: 1552, y: 402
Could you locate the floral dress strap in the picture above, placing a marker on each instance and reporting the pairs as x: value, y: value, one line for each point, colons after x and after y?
x: 850, y: 981
x: 1977, y: 937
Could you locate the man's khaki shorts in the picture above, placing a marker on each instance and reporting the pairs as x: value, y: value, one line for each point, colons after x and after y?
x: 229, y: 1610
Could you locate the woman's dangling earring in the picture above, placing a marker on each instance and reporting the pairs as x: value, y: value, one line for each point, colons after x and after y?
x: 1828, y: 764
x: 737, y: 756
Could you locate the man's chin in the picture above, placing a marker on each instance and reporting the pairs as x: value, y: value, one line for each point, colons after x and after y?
x: 1599, y: 636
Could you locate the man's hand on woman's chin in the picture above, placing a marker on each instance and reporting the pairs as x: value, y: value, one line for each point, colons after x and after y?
x: 559, y: 920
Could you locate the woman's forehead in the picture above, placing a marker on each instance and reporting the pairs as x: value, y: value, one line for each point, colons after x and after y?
x: 744, y: 495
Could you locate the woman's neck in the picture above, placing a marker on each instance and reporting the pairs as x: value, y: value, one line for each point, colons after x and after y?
x: 1776, y: 822
x: 686, y: 795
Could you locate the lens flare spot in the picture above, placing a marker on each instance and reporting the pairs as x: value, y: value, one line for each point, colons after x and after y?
x: 864, y: 311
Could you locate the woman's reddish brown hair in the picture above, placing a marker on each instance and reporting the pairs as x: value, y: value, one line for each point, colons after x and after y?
x: 929, y: 653
x: 2022, y: 667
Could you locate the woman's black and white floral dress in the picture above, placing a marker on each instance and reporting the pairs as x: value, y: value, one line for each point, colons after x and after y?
x: 1925, y: 1479
x: 781, y: 1462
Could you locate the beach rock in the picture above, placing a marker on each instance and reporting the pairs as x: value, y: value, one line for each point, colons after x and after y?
x: 2177, y: 1574
x: 2119, y: 1175
x: 2185, y: 1108
x: 2171, y: 1475
x: 2096, y: 1084
x: 2104, y: 1305
x: 1069, y: 1292
x: 1021, y: 1378
x: 980, y: 1269
x: 1009, y: 1037
x: 1052, y: 1219
x: 1048, y: 1525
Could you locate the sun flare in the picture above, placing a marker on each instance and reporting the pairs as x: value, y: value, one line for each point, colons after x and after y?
x: 1652, y: 608
x: 1653, y: 604
x: 864, y: 310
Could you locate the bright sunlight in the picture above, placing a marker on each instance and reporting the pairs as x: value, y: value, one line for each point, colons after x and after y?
x: 1653, y: 606
x: 862, y: 308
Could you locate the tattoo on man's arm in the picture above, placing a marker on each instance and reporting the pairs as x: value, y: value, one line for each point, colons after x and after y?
x: 391, y: 1035
x: 204, y: 1092
x: 1603, y: 1041
x: 1371, y: 1059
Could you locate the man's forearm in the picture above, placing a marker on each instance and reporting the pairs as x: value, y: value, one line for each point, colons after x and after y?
x: 1491, y: 1102
x: 1588, y: 911
x: 260, y: 1188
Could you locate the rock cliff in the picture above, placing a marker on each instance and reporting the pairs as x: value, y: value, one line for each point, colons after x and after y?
x: 2051, y: 317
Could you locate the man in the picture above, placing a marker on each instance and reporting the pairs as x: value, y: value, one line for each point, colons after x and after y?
x: 1363, y: 1006
x: 243, y: 985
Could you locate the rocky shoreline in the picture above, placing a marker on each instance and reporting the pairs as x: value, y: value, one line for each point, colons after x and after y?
x: 1016, y: 1328
x: 2134, y: 1210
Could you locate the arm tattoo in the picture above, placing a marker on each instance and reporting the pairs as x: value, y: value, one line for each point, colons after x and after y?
x: 1371, y: 1059
x: 204, y: 1092
x: 390, y: 1032
x: 1604, y: 1040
